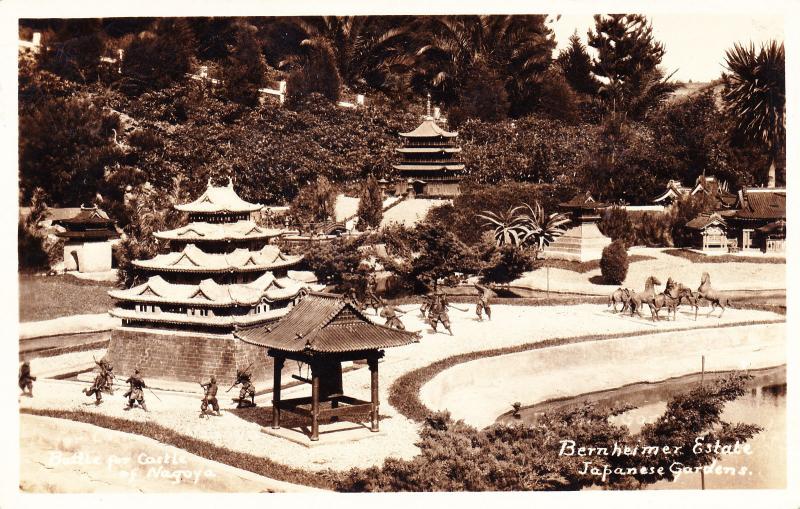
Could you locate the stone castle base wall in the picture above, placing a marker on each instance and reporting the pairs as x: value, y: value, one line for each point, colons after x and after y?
x: 186, y: 357
x: 87, y: 256
x: 581, y: 243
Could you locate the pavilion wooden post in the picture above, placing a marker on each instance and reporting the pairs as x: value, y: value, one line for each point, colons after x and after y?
x: 373, y: 368
x: 276, y: 392
x: 314, y: 404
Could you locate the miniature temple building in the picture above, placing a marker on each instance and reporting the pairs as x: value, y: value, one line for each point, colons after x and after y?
x: 757, y: 208
x: 323, y: 330
x: 710, y: 186
x: 430, y: 164
x: 709, y: 232
x: 221, y: 273
x: 87, y: 240
x: 582, y: 241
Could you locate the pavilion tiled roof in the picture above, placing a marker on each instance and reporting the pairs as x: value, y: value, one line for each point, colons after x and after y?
x: 584, y: 202
x: 202, y: 231
x: 762, y: 204
x: 209, y: 293
x: 325, y: 323
x: 775, y: 227
x: 703, y: 221
x: 194, y: 259
x: 87, y: 217
x: 429, y: 129
x: 218, y: 200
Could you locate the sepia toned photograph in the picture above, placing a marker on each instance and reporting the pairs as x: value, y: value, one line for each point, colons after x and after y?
x: 530, y: 252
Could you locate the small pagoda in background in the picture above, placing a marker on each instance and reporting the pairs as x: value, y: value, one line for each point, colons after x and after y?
x: 87, y: 240
x: 430, y: 161
x: 221, y: 273
x: 583, y: 241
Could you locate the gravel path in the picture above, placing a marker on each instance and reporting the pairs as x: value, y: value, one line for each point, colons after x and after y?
x: 724, y: 276
x: 61, y: 456
x: 512, y: 325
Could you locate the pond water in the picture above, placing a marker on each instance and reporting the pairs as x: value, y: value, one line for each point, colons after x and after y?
x: 764, y: 404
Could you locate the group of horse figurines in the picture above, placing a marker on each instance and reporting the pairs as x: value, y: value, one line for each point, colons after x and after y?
x: 674, y: 295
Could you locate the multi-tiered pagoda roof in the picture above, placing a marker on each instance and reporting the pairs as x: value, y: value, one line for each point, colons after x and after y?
x: 194, y: 259
x: 429, y: 152
x: 193, y: 287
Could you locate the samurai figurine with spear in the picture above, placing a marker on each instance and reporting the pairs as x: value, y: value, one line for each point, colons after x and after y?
x: 248, y: 390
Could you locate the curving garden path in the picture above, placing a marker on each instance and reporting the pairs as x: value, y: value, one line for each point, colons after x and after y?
x: 512, y: 326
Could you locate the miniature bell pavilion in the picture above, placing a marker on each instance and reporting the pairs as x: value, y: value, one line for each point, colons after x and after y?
x: 582, y: 241
x: 322, y: 331
x: 87, y: 240
x: 221, y: 273
x: 430, y: 162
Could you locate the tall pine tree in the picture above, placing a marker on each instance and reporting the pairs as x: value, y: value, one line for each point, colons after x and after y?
x: 577, y: 66
x: 370, y: 206
x: 245, y: 69
x: 627, y: 63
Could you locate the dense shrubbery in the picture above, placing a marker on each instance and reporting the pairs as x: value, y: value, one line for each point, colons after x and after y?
x: 506, y: 263
x: 370, y: 205
x: 616, y: 224
x: 614, y: 263
x: 337, y: 262
x: 457, y: 457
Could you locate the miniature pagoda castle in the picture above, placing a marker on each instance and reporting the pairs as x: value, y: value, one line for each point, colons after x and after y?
x: 430, y: 164
x: 87, y: 240
x: 582, y: 241
x: 221, y: 273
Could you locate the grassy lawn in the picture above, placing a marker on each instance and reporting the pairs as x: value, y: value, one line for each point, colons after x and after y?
x: 583, y: 267
x: 46, y: 297
x: 725, y: 258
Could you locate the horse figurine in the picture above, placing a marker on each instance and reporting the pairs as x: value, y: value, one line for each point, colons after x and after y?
x: 648, y: 296
x: 618, y: 296
x: 677, y: 293
x: 716, y: 298
x: 631, y: 301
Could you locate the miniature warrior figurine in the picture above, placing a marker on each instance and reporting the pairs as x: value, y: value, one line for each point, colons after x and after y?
x: 107, y: 372
x: 248, y: 390
x: 390, y: 313
x: 96, y: 388
x: 438, y: 311
x: 26, y: 379
x: 210, y: 397
x: 484, y: 294
x: 371, y: 299
x: 136, y: 392
x: 351, y: 297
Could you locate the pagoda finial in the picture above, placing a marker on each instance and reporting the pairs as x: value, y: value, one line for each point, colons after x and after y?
x: 428, y: 106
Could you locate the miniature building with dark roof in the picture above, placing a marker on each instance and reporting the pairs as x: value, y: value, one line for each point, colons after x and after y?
x: 87, y: 239
x: 709, y: 232
x: 430, y: 162
x: 322, y: 331
x: 756, y: 208
x: 221, y: 273
x: 582, y: 241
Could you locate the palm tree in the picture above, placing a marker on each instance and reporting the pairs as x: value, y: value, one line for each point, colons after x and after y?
x: 518, y: 49
x: 507, y: 226
x: 367, y: 50
x: 756, y: 97
x: 544, y: 229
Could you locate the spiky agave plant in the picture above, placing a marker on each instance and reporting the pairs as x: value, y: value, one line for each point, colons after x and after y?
x: 508, y: 226
x: 540, y: 229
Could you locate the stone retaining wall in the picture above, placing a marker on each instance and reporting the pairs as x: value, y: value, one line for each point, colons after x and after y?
x: 185, y: 357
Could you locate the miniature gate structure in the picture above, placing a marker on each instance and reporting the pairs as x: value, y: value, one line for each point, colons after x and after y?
x: 323, y: 330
